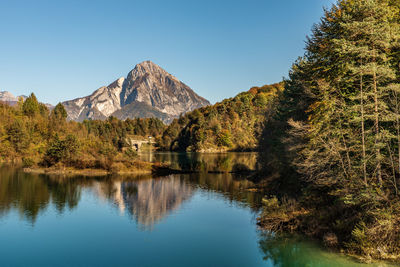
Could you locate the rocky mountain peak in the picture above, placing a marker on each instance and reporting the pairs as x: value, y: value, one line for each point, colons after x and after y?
x: 7, y: 96
x: 148, y: 91
x: 117, y: 83
x: 147, y: 68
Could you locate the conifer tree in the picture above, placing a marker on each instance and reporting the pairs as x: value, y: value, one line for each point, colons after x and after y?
x: 59, y: 112
x: 30, y: 107
x: 339, y: 122
x: 350, y: 48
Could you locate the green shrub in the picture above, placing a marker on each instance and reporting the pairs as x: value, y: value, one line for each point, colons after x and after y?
x: 27, y: 162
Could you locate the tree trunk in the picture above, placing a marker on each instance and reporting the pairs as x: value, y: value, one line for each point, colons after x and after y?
x: 364, y: 162
x: 398, y: 132
x: 393, y: 168
x: 377, y: 139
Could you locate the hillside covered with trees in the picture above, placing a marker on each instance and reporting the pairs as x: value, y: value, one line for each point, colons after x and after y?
x: 235, y: 124
x: 332, y: 147
x: 35, y: 136
x: 328, y: 136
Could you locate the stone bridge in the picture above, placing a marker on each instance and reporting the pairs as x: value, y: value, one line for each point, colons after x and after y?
x: 136, y: 144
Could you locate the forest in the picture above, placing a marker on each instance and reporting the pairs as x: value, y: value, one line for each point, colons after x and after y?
x: 235, y: 124
x: 33, y: 135
x: 331, y: 151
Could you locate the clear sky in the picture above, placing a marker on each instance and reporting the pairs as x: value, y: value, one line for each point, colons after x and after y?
x: 67, y: 49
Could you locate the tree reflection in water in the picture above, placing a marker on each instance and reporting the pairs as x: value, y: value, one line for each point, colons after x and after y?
x: 204, y: 162
x: 146, y: 199
x: 30, y: 194
x: 149, y: 200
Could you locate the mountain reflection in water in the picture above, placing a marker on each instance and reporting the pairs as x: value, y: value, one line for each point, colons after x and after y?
x: 146, y: 199
x: 218, y: 221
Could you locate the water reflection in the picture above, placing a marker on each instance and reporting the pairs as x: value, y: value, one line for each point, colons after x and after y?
x: 220, y: 228
x: 235, y: 188
x: 146, y: 199
x: 205, y: 162
x: 30, y: 194
x: 149, y: 201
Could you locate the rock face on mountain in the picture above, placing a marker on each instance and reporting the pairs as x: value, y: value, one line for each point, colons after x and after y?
x: 147, y: 91
x: 9, y: 98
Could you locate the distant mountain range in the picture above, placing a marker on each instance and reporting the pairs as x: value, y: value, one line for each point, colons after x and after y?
x: 147, y: 91
x: 12, y: 100
x: 9, y: 98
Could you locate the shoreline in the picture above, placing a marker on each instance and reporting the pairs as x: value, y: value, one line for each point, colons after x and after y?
x: 155, y: 169
x: 137, y: 168
x: 84, y: 172
x: 292, y: 218
x: 206, y: 151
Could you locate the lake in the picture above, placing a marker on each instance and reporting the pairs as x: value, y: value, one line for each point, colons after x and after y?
x: 202, y: 219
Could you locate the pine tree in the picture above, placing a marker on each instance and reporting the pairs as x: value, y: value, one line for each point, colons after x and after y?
x: 59, y: 112
x: 30, y: 107
x: 339, y: 122
x: 350, y: 51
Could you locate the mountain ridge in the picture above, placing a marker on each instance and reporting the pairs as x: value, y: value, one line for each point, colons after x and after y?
x: 162, y: 95
x: 8, y: 97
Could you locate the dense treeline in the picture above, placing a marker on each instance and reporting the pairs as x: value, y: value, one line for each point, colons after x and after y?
x: 115, y: 130
x: 233, y: 124
x: 29, y: 132
x: 336, y: 130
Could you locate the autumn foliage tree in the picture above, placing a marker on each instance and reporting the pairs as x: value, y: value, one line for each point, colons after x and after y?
x: 337, y: 125
x: 233, y: 124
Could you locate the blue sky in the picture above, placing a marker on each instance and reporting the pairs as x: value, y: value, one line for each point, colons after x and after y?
x: 66, y: 49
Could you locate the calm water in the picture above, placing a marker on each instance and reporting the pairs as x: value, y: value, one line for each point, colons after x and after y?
x: 205, y: 162
x: 179, y: 220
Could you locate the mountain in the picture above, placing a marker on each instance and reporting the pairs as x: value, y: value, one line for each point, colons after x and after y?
x: 6, y: 96
x: 9, y: 98
x: 147, y: 91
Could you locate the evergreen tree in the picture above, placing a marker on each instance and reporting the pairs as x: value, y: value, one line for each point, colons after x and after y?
x: 59, y: 112
x: 337, y: 126
x: 356, y: 77
x: 30, y: 106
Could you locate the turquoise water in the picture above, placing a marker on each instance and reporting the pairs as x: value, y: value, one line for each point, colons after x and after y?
x: 178, y: 220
